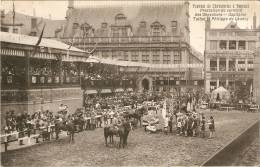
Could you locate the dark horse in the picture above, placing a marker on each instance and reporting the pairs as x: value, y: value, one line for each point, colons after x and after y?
x: 122, y: 131
x: 137, y: 115
x: 68, y: 126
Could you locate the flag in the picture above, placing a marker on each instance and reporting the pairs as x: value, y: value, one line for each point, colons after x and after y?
x: 13, y: 11
x: 251, y: 90
x: 39, y: 41
x: 40, y: 37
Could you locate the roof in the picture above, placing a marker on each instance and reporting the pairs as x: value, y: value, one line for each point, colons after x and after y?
x: 232, y: 25
x: 30, y: 40
x: 51, y: 25
x: 164, y: 13
x: 196, y: 53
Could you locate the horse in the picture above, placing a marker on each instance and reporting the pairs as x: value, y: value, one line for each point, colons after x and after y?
x: 122, y: 131
x: 137, y: 115
x: 68, y: 126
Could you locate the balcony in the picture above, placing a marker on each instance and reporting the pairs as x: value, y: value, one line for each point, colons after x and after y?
x: 148, y: 39
x: 213, y: 68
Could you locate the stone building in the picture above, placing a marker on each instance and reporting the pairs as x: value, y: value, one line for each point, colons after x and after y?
x: 152, y: 34
x: 229, y: 56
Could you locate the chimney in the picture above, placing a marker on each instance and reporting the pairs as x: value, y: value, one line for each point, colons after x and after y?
x: 33, y: 26
x: 50, y: 16
x: 254, y: 21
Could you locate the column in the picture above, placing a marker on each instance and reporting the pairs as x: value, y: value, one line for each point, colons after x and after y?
x: 60, y: 68
x: 246, y: 64
x: 236, y: 45
x: 217, y: 83
x: 226, y: 83
x: 236, y: 62
x: 27, y: 70
x: 246, y: 45
x: 227, y: 64
x: 227, y: 45
x: 218, y: 64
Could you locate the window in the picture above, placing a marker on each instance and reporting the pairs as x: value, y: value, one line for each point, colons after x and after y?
x: 120, y: 55
x: 145, y: 57
x: 124, y: 32
x: 156, y: 34
x: 125, y: 57
x: 4, y: 29
x: 104, y: 54
x: 176, y: 58
x: 115, y: 35
x: 114, y: 55
x: 251, y: 45
x: 15, y: 30
x: 156, y: 59
x: 241, y: 45
x: 166, y: 58
x: 213, y: 85
x: 241, y: 61
x: 213, y: 65
x: 213, y: 45
x: 75, y: 25
x: 174, y: 24
x: 250, y: 62
x: 222, y: 64
x: 232, y: 45
x: 223, y: 45
x: 231, y: 65
x: 135, y: 56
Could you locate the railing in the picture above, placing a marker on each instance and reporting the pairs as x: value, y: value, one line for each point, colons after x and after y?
x: 123, y: 39
x: 213, y: 68
x: 27, y: 135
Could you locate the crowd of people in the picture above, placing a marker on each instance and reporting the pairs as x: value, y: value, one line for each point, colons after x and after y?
x: 109, y: 111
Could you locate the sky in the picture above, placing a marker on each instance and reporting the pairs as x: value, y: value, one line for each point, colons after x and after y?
x: 57, y: 10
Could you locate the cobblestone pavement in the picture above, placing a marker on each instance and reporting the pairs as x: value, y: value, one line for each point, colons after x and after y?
x: 143, y: 148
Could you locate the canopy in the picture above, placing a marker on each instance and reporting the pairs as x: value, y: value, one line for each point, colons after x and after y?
x: 224, y: 94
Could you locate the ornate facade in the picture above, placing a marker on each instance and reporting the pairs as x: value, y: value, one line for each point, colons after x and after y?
x: 153, y: 34
x: 229, y: 56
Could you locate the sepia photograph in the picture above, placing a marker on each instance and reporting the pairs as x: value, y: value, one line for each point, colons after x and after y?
x: 130, y: 83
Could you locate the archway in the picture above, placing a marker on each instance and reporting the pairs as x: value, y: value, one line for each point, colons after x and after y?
x: 145, y: 84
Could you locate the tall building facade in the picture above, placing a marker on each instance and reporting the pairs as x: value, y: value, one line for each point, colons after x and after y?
x: 153, y: 34
x: 229, y: 56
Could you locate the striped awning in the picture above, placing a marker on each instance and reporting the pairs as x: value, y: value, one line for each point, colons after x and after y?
x: 91, y: 91
x: 12, y: 52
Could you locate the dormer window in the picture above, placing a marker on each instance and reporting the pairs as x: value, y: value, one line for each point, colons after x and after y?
x: 75, y: 25
x: 174, y: 24
x: 120, y: 16
x: 143, y: 24
x: 104, y: 25
x: 120, y: 19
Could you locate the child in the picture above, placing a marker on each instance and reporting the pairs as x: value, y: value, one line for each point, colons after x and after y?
x: 211, y: 127
x: 178, y: 126
x: 202, y: 130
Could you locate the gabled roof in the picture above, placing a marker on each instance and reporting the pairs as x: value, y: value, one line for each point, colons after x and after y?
x: 51, y: 25
x: 30, y: 40
x: 164, y: 13
x: 232, y: 25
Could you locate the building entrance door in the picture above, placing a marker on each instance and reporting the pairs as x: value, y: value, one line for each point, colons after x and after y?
x: 145, y: 84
